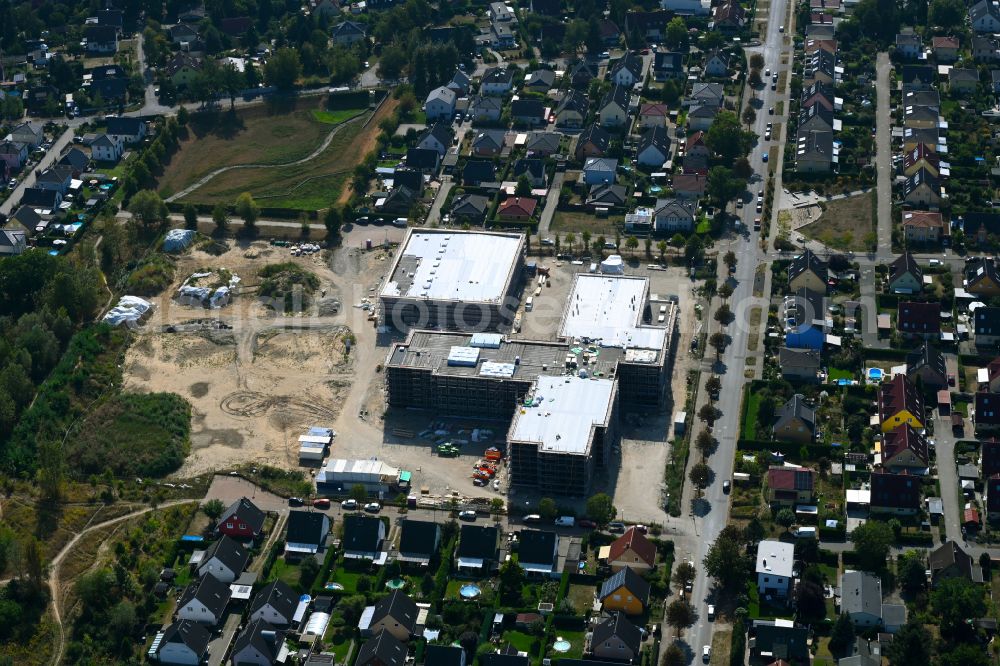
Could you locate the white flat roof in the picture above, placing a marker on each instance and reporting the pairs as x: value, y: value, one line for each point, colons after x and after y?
x: 776, y: 558
x: 567, y: 407
x: 462, y: 266
x: 608, y: 309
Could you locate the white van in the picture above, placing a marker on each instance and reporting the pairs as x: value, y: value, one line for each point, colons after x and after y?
x: 565, y: 521
x: 530, y: 303
x: 805, y: 533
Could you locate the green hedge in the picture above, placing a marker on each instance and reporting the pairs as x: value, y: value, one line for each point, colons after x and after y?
x: 265, y: 211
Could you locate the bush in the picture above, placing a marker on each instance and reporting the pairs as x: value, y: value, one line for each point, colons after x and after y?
x: 153, y: 276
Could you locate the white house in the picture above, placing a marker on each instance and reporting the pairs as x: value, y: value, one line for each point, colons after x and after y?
x: 613, y: 110
x: 184, y: 643
x: 627, y: 71
x: 106, y: 149
x: 497, y: 81
x: 129, y: 131
x: 225, y: 559
x: 204, y: 601
x: 985, y: 16
x: 775, y: 568
x: 599, y: 170
x: 259, y: 644
x: 12, y: 242
x: 275, y: 603
x: 674, y: 215
x: 440, y: 104
x: 654, y: 147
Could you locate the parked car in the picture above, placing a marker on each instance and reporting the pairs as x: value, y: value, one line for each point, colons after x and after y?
x: 711, y: 612
x: 349, y: 505
x: 616, y: 527
x: 586, y: 523
x: 532, y: 518
x: 726, y: 486
x: 373, y: 507
x: 295, y: 501
x: 321, y: 503
x: 467, y: 515
x: 706, y: 653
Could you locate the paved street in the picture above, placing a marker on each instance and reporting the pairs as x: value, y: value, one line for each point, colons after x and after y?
x: 883, y: 156
x: 551, y: 201
x: 7, y: 207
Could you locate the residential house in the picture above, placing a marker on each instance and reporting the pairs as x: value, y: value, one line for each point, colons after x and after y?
x: 668, y: 65
x: 538, y: 553
x: 920, y: 157
x: 12, y: 242
x: 818, y: 93
x: 927, y: 364
x: 672, y: 215
x: 75, y: 159
x: 804, y: 322
x: 438, y: 137
x: 30, y: 134
x: 704, y: 104
x: 599, y: 170
x: 776, y: 641
x: 259, y: 644
x: 498, y: 11
x: 625, y: 591
x: 654, y: 147
x: 440, y: 104
x: 919, y: 77
x: 895, y: 493
x: 919, y: 320
x: 979, y: 226
x: 790, y: 486
x: 488, y: 143
x: 905, y: 449
x: 945, y: 48
x: 182, y: 35
x: 653, y: 115
x: 987, y: 412
x: 13, y: 154
x: 517, y: 208
x: 396, y: 614
x: 689, y: 185
x: 235, y: 26
x: 382, y: 650
x: 27, y: 220
x: 729, y: 16
x: 775, y: 568
x: 985, y: 17
x: 533, y: 169
x: 987, y: 327
x: 985, y: 49
x: 543, y: 144
x: 56, y: 178
x: 814, y: 151
x: 347, y: 33
x: 963, y: 79
x: 444, y: 655
x: 425, y: 160
x: 502, y: 35
x: 477, y: 172
x: 364, y: 537
x: 990, y: 457
x: 717, y: 63
x: 581, y: 73
x: 632, y: 550
x: 930, y: 99
x: 242, y: 520
x: 183, y: 642
x: 594, y: 141
x: 540, y: 80
x: 478, y: 549
x: 460, y: 83
x: 807, y: 271
x: 527, y: 112
x: 627, y: 70
x: 497, y: 81
x: 649, y: 25
x: 796, y: 421
x: 687, y: 7
x: 485, y: 109
x: 38, y: 197
x: 923, y: 226
x: 225, y: 559
x: 820, y: 66
x: 861, y: 599
x: 101, y: 39
x: 183, y: 69
x: 572, y: 110
x: 908, y: 45
x: 900, y: 402
x: 275, y: 603
x: 981, y: 277
x: 905, y: 276
x: 326, y: 8
x: 950, y: 561
x: 799, y: 364
x: 306, y: 533
x: 607, y: 195
x: 914, y: 136
x: 470, y: 208
x: 129, y: 130
x: 610, y: 33
x: 992, y: 498
x: 613, y: 109
x: 696, y: 146
x: 204, y: 600
x: 816, y: 118
x: 419, y: 540
x: 616, y: 639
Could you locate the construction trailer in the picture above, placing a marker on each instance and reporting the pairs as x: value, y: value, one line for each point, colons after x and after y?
x: 453, y: 280
x: 314, y: 444
x: 338, y: 476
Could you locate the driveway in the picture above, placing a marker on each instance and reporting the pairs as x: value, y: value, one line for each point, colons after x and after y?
x: 551, y: 201
x: 434, y: 215
x: 883, y: 157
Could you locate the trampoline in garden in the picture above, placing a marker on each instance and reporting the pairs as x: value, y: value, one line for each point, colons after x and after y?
x: 396, y: 584
x: 561, y: 645
x: 470, y: 591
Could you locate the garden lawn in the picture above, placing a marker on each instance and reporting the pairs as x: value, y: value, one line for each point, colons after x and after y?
x: 571, y: 221
x: 349, y: 579
x: 839, y: 373
x: 286, y: 573
x: 582, y: 597
x: 576, y: 640
x: 846, y: 224
x: 750, y: 421
x: 336, y: 117
x: 522, y: 641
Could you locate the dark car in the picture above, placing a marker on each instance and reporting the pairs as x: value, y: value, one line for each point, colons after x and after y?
x: 295, y: 501
x: 584, y: 522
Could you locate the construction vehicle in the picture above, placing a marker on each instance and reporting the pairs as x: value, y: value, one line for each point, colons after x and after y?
x: 447, y: 450
x: 493, y: 454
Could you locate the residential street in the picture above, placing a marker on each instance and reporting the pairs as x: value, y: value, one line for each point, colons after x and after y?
x: 551, y: 201
x: 7, y: 207
x: 883, y: 157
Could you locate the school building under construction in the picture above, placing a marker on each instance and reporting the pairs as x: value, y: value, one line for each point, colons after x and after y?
x: 562, y: 396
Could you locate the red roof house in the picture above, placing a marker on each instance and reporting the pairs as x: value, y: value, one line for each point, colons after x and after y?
x: 517, y: 208
x: 242, y: 520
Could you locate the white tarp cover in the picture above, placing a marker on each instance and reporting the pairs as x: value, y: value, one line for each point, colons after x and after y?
x: 177, y: 240
x: 129, y: 311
